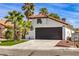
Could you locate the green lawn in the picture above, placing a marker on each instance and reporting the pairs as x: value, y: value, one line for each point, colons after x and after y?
x: 10, y: 42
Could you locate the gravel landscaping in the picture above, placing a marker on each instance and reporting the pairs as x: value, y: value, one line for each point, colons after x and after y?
x: 66, y: 43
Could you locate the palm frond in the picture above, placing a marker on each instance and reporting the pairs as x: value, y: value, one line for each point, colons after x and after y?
x: 7, y: 21
x: 28, y: 8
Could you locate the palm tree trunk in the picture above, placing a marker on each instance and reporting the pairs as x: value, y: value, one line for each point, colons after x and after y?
x: 14, y: 30
x: 24, y: 34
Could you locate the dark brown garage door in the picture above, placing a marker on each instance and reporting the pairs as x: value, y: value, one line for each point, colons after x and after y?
x: 49, y: 33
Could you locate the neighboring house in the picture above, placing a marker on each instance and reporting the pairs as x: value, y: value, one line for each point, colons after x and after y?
x: 3, y: 27
x: 75, y: 36
x: 45, y: 27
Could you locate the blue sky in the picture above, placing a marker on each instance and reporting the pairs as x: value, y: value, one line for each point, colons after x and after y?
x: 70, y: 11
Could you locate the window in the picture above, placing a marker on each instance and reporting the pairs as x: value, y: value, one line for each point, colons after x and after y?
x: 39, y: 21
x: 31, y: 28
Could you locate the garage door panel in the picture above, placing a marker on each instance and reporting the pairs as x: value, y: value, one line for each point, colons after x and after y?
x: 49, y: 33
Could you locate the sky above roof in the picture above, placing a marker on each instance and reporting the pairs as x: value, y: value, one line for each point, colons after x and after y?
x: 70, y: 11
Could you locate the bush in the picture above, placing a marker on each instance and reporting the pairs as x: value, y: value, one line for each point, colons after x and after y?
x: 69, y: 38
x: 9, y: 34
x: 67, y: 41
x: 77, y: 45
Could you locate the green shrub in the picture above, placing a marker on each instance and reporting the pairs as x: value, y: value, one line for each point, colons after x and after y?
x: 69, y: 38
x: 9, y: 34
x: 67, y: 41
x: 77, y: 45
x: 11, y: 42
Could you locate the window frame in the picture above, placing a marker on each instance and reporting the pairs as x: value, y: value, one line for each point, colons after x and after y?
x: 39, y: 21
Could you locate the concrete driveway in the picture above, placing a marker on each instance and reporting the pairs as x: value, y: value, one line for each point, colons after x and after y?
x: 37, y: 44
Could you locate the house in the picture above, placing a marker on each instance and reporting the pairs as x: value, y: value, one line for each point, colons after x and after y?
x: 3, y: 26
x: 46, y: 27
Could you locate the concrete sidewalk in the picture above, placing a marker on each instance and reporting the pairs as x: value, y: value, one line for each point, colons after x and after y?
x: 55, y: 51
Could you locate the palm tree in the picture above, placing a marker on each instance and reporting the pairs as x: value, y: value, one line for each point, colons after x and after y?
x: 43, y: 11
x: 14, y: 17
x: 54, y: 15
x: 28, y: 9
x: 25, y: 27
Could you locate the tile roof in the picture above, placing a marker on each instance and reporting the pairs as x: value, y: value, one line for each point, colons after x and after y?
x: 58, y: 20
x: 46, y: 16
x: 2, y: 22
x: 38, y: 16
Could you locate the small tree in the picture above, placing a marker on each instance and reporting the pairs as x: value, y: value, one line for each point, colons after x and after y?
x: 43, y: 11
x: 54, y: 15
